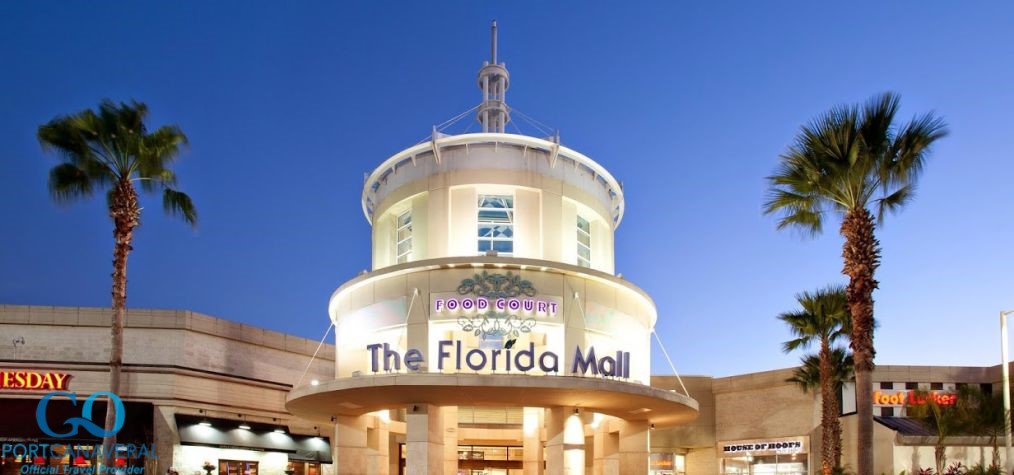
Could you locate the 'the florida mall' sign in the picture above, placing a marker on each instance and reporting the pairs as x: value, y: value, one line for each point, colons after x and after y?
x: 497, y: 308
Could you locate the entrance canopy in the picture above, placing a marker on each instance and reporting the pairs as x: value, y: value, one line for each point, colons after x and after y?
x: 363, y: 394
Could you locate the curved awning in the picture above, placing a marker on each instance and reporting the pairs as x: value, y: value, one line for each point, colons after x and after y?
x: 363, y: 394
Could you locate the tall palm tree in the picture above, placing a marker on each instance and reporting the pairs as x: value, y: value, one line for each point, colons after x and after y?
x: 807, y: 376
x: 843, y: 163
x: 822, y: 321
x: 111, y: 149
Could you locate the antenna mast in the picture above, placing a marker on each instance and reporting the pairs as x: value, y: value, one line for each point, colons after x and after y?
x: 493, y: 81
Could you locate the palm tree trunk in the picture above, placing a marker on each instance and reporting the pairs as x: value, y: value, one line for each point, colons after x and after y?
x: 125, y: 212
x: 861, y: 254
x: 828, y: 419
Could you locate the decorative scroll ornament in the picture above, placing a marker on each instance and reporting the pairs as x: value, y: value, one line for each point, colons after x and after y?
x: 494, y: 324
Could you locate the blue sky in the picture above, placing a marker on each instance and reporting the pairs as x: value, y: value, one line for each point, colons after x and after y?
x: 287, y: 104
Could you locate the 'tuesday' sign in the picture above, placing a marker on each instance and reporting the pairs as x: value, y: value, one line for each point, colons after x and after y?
x: 33, y: 380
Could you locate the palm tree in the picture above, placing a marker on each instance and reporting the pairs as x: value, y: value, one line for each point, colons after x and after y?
x: 843, y: 163
x: 807, y: 376
x: 946, y: 421
x: 823, y: 320
x: 111, y: 149
x: 984, y: 415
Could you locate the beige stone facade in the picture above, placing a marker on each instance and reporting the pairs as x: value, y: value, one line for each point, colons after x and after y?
x: 179, y: 362
x: 187, y: 364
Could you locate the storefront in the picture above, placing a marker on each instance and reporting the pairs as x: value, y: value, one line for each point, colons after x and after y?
x: 780, y: 456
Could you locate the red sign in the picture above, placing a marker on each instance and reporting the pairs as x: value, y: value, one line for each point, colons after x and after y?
x: 33, y: 380
x: 912, y: 399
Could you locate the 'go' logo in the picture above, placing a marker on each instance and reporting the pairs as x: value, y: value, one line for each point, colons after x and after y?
x: 86, y: 415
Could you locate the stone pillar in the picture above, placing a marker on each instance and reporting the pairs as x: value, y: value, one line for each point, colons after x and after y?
x: 424, y: 439
x: 532, y: 423
x: 450, y: 431
x: 378, y: 446
x: 165, y: 438
x: 350, y: 441
x: 634, y: 446
x: 607, y: 447
x: 564, y: 442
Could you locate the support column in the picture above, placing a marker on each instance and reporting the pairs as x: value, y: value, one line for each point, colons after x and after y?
x: 165, y: 438
x: 378, y: 446
x: 607, y: 449
x: 635, y: 446
x: 350, y: 443
x: 564, y: 442
x: 532, y: 423
x: 450, y: 431
x: 424, y: 439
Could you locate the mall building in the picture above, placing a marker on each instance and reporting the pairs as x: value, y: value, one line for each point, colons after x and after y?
x: 491, y: 336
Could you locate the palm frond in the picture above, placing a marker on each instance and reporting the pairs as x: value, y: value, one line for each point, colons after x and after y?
x: 179, y: 204
x: 893, y: 202
x: 67, y: 182
x: 849, y: 158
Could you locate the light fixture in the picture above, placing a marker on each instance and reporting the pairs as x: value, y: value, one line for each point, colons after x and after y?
x: 314, y: 382
x: 653, y: 427
x: 205, y: 423
x: 244, y: 427
x: 279, y: 431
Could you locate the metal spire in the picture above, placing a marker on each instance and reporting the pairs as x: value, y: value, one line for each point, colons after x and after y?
x: 493, y: 34
x: 493, y: 81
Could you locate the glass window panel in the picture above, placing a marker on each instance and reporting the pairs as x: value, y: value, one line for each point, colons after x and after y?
x: 404, y: 247
x: 495, y: 223
x: 583, y: 225
x: 493, y: 215
x: 405, y: 218
x: 584, y: 253
x: 584, y: 239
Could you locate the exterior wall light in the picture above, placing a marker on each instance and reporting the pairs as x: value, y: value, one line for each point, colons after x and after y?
x: 244, y: 427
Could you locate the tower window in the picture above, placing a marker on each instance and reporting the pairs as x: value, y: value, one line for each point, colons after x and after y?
x: 496, y: 224
x: 404, y: 248
x: 583, y: 242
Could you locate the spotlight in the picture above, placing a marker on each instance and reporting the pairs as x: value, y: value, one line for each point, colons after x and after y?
x: 279, y: 431
x: 314, y: 382
x: 205, y: 423
x: 244, y: 427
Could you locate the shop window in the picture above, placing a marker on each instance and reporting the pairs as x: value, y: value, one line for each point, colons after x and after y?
x: 986, y: 388
x: 304, y: 468
x: 237, y: 467
x: 496, y: 224
x: 911, y: 386
x: 886, y: 385
x: 782, y: 464
x: 404, y: 241
x: 583, y: 242
x: 936, y: 386
x: 887, y: 411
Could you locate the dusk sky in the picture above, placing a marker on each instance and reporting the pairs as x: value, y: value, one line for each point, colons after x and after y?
x: 288, y: 104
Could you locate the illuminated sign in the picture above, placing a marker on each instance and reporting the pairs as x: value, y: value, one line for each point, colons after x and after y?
x: 478, y: 359
x: 911, y: 398
x: 494, y: 306
x: 33, y: 380
x: 765, y: 447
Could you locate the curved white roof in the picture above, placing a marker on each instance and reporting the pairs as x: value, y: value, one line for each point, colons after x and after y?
x: 607, y: 187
